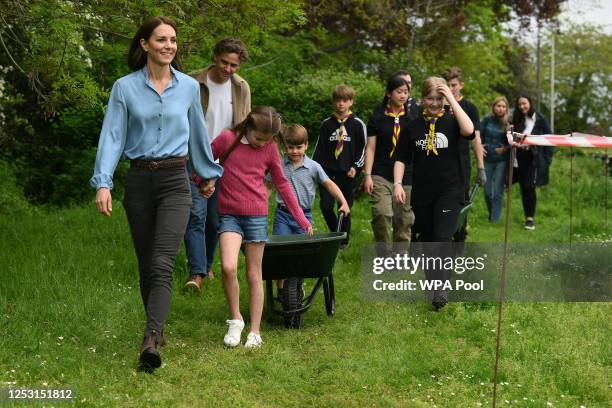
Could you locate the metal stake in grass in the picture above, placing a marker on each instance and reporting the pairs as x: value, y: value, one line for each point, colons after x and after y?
x: 502, y: 284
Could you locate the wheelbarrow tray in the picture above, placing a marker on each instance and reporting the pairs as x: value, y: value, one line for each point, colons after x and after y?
x: 301, y: 256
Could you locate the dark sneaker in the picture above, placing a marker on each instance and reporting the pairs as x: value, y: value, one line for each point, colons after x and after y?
x: 439, y: 300
x: 438, y: 303
x: 194, y: 282
x: 529, y: 225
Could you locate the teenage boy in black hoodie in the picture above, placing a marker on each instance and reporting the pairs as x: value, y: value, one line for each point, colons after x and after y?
x: 454, y: 78
x: 340, y: 150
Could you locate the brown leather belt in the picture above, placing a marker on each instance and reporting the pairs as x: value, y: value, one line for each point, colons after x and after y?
x: 153, y: 165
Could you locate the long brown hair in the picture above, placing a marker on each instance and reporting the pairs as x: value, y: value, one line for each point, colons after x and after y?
x: 263, y: 119
x: 137, y: 57
x: 518, y: 117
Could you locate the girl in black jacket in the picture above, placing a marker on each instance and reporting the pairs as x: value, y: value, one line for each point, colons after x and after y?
x: 533, y: 161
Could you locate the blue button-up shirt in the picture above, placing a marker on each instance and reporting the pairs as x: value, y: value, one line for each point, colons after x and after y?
x: 141, y: 124
x: 304, y: 180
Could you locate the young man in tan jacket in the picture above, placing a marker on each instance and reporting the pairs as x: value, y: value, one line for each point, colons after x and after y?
x: 226, y: 101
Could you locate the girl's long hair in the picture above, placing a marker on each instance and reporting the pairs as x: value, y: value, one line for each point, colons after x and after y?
x: 263, y: 119
x: 137, y: 57
x: 518, y: 118
x: 395, y: 82
x: 503, y: 121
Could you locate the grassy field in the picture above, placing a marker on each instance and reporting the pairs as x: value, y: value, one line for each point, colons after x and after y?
x: 71, y: 317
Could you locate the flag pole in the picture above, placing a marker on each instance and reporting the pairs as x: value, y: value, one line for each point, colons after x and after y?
x: 502, y: 285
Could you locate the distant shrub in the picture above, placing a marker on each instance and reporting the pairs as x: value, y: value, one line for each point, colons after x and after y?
x: 11, y: 197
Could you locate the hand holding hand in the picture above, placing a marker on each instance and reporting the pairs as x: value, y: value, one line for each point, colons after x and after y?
x: 207, y: 188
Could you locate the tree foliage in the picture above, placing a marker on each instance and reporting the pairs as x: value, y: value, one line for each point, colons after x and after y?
x: 59, y: 59
x: 583, y: 80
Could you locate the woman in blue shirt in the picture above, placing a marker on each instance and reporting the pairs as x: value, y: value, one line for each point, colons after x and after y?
x: 495, y: 142
x: 154, y: 118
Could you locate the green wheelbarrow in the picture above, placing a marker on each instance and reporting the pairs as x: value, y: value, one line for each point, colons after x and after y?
x: 295, y: 258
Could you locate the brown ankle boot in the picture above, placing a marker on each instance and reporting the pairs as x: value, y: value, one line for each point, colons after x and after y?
x: 162, y: 339
x: 150, y: 358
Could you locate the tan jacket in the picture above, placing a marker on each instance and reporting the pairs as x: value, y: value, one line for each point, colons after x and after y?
x: 241, y: 94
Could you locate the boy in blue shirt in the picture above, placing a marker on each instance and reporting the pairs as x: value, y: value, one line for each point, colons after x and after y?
x: 304, y: 174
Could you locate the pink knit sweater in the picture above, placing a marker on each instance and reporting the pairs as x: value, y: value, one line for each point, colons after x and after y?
x: 241, y: 188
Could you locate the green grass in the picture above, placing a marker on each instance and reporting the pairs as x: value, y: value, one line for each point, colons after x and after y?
x: 71, y: 317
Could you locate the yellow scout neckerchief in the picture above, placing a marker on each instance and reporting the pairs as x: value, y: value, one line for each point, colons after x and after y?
x: 396, y: 125
x: 431, y: 137
x: 341, y: 133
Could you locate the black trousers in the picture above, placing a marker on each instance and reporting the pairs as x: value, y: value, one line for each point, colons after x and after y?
x: 435, y: 223
x: 157, y: 205
x: 328, y: 203
x: 525, y: 176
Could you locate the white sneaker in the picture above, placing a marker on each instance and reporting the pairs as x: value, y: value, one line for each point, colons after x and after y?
x: 232, y: 337
x: 253, y: 341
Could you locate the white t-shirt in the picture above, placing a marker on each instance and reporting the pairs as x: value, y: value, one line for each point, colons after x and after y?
x: 529, y: 124
x: 219, y: 114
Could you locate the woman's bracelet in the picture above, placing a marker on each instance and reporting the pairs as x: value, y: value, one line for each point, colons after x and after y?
x: 366, y: 174
x: 398, y: 183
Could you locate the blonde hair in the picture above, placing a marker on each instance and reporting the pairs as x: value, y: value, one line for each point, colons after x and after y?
x: 264, y: 119
x: 430, y: 84
x: 343, y: 92
x: 294, y: 135
x: 504, y: 119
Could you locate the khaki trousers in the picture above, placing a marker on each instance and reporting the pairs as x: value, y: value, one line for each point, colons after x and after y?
x: 389, y: 214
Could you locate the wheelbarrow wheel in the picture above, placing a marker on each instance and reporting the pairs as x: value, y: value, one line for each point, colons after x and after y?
x: 293, y: 299
x: 328, y: 292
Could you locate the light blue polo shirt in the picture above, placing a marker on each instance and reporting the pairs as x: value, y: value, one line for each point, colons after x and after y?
x: 304, y: 180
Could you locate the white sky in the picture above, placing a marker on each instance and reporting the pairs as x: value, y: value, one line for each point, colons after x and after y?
x: 597, y: 12
x: 592, y: 12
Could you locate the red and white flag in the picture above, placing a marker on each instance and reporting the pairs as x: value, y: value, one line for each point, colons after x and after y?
x: 569, y: 140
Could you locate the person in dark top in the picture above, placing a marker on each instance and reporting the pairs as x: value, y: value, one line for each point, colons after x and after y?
x: 432, y: 147
x: 340, y: 150
x: 495, y: 143
x: 533, y: 161
x: 385, y: 129
x: 412, y: 106
x: 454, y: 78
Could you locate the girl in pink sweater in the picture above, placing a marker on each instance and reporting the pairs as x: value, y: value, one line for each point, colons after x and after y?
x: 246, y: 153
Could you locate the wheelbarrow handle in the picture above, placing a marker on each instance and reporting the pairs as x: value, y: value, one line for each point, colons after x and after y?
x: 340, y: 218
x: 474, y: 191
